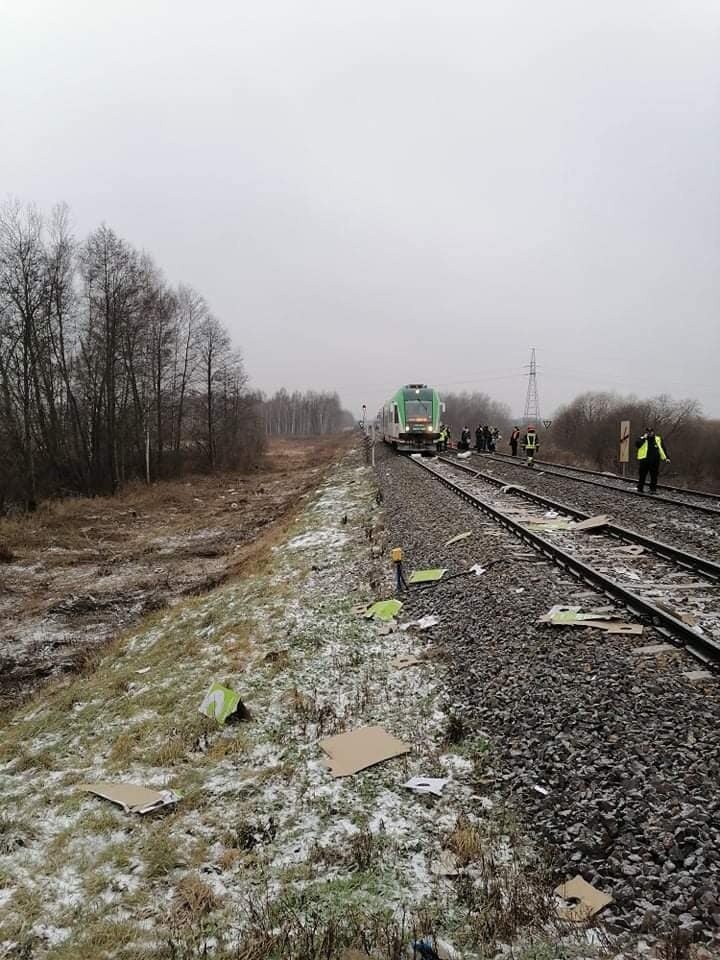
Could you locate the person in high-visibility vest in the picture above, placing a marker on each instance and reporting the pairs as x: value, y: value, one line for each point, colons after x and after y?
x: 650, y: 451
x: 444, y: 437
x: 531, y: 444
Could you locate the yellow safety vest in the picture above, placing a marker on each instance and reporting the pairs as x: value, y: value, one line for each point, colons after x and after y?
x: 531, y: 441
x: 643, y: 449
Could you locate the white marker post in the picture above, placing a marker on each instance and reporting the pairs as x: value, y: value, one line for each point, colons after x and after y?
x: 624, y: 456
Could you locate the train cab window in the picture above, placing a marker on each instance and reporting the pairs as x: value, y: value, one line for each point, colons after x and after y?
x: 396, y: 414
x: 418, y: 409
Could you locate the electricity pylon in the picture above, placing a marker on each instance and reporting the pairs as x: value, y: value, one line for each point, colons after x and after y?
x: 532, y: 402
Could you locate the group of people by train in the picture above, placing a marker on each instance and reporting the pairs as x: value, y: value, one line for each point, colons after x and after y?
x: 651, y: 451
x: 487, y: 439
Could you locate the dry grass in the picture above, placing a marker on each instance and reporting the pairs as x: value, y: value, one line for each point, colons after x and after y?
x: 193, y: 898
x: 465, y: 842
x: 97, y: 563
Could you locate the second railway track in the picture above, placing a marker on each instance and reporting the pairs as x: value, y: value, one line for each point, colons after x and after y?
x: 699, y: 501
x: 677, y: 592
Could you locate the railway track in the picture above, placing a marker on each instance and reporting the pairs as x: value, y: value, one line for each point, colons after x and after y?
x: 705, y: 503
x: 675, y: 591
x: 686, y: 491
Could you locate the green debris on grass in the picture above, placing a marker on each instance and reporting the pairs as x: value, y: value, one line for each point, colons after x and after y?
x: 385, y: 610
x: 427, y: 576
x: 219, y: 702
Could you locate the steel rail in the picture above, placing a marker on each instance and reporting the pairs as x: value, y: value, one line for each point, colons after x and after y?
x: 702, y: 647
x: 665, y: 551
x: 656, y: 498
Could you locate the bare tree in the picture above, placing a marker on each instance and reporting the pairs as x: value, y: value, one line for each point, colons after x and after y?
x: 105, y: 370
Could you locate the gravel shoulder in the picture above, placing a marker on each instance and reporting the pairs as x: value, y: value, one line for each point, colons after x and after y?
x: 625, y: 747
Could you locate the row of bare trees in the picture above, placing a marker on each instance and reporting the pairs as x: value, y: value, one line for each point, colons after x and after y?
x: 106, y: 372
x: 304, y: 414
x: 475, y: 409
x: 587, y: 431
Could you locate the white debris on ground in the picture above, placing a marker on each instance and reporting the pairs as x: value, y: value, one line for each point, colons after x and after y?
x: 260, y: 816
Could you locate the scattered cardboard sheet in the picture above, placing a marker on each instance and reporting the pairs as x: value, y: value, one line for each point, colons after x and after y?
x: 434, y: 785
x: 572, y: 617
x: 698, y: 675
x: 613, y: 626
x: 458, y: 537
x: 653, y: 648
x: 361, y: 748
x: 592, y: 523
x: 427, y: 576
x: 424, y: 623
x: 446, y: 865
x: 591, y: 900
x: 383, y: 610
x: 404, y: 660
x: 632, y: 550
x: 560, y: 608
x: 221, y: 702
x: 132, y: 798
x: 543, y: 524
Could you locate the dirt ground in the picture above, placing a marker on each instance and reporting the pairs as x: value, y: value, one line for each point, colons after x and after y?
x: 80, y: 571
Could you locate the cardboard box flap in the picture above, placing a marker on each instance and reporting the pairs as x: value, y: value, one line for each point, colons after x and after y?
x: 434, y: 785
x: 592, y: 523
x: 458, y: 537
x: 131, y: 797
x: 590, y: 899
x: 361, y: 748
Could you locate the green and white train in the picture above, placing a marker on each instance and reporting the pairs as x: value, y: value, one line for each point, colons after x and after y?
x: 410, y: 419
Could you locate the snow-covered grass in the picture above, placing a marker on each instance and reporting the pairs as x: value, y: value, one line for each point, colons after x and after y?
x: 264, y: 843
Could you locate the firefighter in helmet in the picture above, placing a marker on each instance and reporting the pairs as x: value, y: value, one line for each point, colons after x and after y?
x: 531, y: 444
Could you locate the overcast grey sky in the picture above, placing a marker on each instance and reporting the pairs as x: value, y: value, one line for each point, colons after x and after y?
x: 375, y: 191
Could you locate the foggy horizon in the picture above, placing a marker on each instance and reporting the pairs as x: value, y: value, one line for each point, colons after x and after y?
x: 370, y: 194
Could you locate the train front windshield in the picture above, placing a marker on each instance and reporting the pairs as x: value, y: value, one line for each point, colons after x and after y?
x: 418, y: 410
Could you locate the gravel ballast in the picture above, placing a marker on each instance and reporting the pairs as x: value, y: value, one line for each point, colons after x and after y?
x: 625, y: 746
